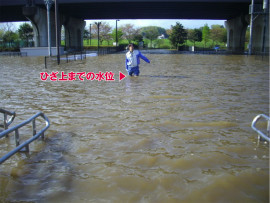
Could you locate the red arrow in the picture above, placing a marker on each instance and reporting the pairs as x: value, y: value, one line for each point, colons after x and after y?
x: 121, y: 76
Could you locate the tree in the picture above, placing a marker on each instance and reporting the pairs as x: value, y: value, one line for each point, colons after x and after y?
x: 205, y: 34
x: 224, y: 36
x: 217, y: 33
x: 2, y: 32
x: 7, y: 27
x: 160, y: 30
x: 150, y: 32
x: 128, y: 32
x: 119, y: 34
x: 86, y: 34
x: 10, y: 37
x: 168, y: 32
x: 26, y: 32
x: 104, y: 31
x: 178, y: 35
x: 247, y: 36
x: 138, y: 38
x: 195, y: 35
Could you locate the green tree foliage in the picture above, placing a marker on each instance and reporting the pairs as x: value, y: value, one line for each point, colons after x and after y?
x: 119, y: 34
x: 10, y: 37
x: 150, y: 32
x: 138, y: 38
x: 217, y: 33
x: 104, y: 32
x: 205, y: 34
x: 26, y: 32
x: 224, y: 36
x: 247, y: 36
x: 128, y: 32
x: 2, y: 33
x: 195, y: 35
x: 160, y: 30
x: 178, y: 35
x: 86, y: 34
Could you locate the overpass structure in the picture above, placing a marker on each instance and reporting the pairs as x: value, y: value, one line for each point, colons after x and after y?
x: 72, y: 14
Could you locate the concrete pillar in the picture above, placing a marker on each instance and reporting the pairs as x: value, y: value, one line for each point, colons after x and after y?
x: 74, y: 29
x: 38, y: 18
x: 236, y: 32
x: 260, y: 34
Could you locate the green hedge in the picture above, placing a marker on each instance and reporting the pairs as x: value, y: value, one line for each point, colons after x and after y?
x: 5, y: 49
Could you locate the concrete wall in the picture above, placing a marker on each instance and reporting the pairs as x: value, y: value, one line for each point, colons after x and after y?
x: 41, y: 51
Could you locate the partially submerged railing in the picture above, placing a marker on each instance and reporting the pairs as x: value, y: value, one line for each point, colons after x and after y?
x: 25, y: 144
x: 71, y: 56
x: 6, y: 121
x: 260, y: 133
x: 107, y: 50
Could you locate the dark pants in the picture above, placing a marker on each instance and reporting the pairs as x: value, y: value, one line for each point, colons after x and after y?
x: 134, y: 70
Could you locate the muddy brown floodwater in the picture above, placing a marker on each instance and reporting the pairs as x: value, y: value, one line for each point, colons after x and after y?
x: 178, y: 133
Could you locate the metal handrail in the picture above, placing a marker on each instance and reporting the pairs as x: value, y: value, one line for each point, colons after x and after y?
x: 27, y: 142
x: 7, y: 121
x: 261, y: 134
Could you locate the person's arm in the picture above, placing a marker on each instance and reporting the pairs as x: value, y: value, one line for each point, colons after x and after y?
x: 144, y: 57
x: 126, y: 64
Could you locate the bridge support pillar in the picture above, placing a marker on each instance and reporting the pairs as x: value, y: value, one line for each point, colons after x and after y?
x: 74, y: 29
x: 260, y: 41
x: 38, y: 19
x: 236, y: 32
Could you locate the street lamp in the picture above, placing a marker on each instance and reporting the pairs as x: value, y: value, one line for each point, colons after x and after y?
x: 116, y: 38
x: 48, y: 4
x: 98, y: 24
x: 90, y: 34
x: 57, y: 30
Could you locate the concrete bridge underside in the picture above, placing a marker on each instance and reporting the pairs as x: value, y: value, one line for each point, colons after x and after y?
x: 72, y: 14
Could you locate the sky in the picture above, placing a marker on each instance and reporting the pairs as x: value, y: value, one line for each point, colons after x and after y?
x: 188, y: 24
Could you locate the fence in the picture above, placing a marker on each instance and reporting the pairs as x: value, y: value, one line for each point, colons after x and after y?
x: 107, y: 50
x: 72, y: 56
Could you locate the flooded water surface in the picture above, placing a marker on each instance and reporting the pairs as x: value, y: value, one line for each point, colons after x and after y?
x: 178, y: 133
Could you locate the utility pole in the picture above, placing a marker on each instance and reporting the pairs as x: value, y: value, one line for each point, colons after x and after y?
x: 57, y: 31
x: 116, y: 38
x: 98, y: 24
x: 266, y: 23
x: 48, y: 4
x: 251, y: 28
x: 90, y: 34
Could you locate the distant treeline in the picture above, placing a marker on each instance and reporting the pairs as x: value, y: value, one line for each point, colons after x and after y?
x: 148, y: 37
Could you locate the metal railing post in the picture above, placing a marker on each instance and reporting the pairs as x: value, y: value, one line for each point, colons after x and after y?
x: 17, y: 137
x: 5, y: 121
x: 34, y: 127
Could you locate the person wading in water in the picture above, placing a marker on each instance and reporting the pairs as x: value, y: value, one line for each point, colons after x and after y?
x: 133, y: 60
